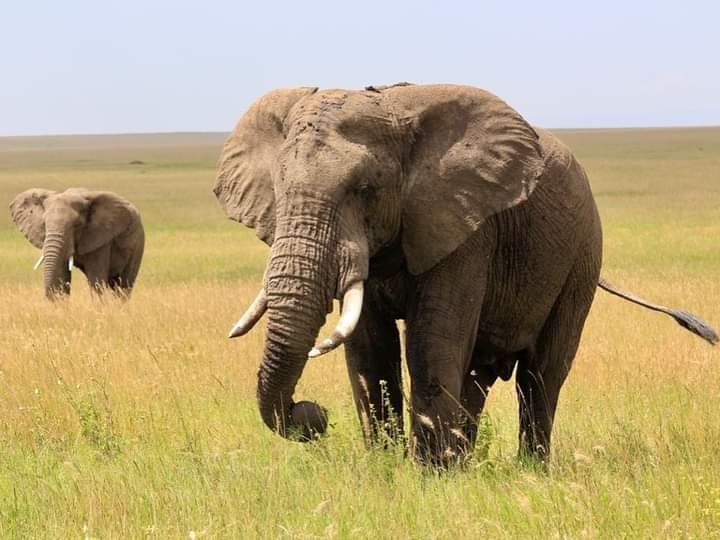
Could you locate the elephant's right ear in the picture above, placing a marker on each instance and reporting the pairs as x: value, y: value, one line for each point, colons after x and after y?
x: 27, y: 212
x: 243, y: 185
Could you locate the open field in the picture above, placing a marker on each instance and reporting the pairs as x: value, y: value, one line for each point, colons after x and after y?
x: 139, y: 420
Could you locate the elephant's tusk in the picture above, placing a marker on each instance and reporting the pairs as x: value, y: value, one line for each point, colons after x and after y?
x: 351, y: 309
x: 251, y: 316
x: 71, y: 263
x: 39, y: 262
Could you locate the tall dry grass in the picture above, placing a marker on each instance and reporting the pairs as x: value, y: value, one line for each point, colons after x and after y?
x: 138, y: 419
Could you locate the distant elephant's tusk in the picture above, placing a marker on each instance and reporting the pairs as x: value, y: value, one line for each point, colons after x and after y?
x: 39, y: 262
x: 71, y: 263
x: 251, y: 316
x: 351, y: 309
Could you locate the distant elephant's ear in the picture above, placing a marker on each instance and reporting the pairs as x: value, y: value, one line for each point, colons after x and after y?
x: 27, y: 212
x: 471, y: 156
x: 243, y: 185
x: 108, y: 216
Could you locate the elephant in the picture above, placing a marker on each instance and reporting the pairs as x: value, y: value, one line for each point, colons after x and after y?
x: 98, y: 231
x: 438, y: 205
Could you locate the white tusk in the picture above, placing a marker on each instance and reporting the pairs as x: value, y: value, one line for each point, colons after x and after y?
x: 71, y: 263
x: 251, y: 316
x: 351, y: 309
x: 39, y: 262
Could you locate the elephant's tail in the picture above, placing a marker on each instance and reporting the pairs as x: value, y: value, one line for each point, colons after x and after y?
x: 687, y: 320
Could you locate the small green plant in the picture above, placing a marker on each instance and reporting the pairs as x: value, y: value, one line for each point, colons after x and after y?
x: 96, y: 424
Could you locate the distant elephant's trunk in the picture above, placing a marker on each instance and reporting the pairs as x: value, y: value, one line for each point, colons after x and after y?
x: 300, y: 284
x: 57, y: 249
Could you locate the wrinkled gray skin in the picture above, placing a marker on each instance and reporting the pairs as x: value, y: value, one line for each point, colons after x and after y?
x: 99, y: 229
x: 476, y: 229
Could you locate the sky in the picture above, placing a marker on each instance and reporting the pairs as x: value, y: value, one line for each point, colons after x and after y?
x: 76, y: 66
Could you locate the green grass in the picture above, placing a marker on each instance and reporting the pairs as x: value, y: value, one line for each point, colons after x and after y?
x: 139, y: 420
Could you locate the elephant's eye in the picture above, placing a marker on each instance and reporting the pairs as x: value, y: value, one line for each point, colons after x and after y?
x: 365, y: 191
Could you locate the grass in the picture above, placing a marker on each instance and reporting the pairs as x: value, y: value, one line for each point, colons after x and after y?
x: 139, y: 420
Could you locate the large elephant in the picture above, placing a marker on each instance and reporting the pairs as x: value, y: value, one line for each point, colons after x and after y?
x: 439, y: 205
x: 98, y: 231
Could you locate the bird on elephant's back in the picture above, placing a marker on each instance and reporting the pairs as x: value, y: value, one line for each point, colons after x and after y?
x: 99, y: 232
x: 435, y: 204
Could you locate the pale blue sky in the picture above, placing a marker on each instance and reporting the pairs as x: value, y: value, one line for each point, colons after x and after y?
x: 77, y: 66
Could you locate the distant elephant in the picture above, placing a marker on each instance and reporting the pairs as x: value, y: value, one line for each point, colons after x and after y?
x: 439, y: 205
x: 98, y: 231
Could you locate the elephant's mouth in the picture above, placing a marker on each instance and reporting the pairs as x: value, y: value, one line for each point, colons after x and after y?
x: 349, y: 317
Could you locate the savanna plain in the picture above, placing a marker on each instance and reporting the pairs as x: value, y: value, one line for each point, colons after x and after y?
x: 139, y: 420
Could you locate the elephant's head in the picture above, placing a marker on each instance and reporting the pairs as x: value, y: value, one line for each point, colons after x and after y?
x: 330, y: 179
x: 66, y: 225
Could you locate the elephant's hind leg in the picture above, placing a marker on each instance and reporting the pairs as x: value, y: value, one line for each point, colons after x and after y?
x: 541, y: 372
x: 122, y: 284
x: 96, y: 266
x: 475, y: 390
x: 373, y: 360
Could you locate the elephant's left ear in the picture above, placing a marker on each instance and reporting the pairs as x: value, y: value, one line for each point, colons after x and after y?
x: 109, y: 216
x: 472, y: 156
x: 27, y: 211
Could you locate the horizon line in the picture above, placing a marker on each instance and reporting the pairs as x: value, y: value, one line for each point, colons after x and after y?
x: 219, y: 132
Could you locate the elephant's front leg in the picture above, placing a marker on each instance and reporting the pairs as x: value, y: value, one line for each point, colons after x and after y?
x: 96, y: 266
x: 441, y: 332
x: 373, y: 361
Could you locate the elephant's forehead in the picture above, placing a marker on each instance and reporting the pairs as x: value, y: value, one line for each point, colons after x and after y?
x: 337, y: 105
x: 71, y: 198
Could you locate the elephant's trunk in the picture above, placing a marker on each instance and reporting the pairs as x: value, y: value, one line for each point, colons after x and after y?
x: 300, y: 284
x: 56, y: 252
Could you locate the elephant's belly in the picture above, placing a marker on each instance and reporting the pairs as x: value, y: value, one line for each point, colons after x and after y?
x: 513, y: 318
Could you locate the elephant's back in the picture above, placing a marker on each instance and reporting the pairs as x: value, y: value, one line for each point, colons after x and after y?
x: 563, y: 192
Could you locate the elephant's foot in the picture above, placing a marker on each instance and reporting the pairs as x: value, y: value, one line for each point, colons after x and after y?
x: 440, y: 444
